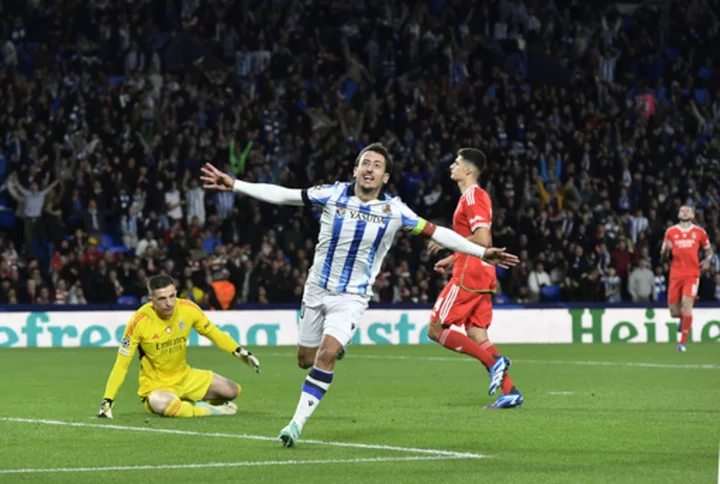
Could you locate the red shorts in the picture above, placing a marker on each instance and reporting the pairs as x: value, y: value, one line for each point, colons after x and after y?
x: 681, y: 287
x: 456, y: 306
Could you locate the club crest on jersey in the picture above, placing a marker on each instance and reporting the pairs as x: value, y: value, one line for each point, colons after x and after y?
x: 694, y: 235
x: 387, y: 208
x: 168, y: 330
x: 340, y: 212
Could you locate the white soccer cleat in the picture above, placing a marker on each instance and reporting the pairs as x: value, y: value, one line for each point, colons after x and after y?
x: 227, y: 408
x: 290, y: 434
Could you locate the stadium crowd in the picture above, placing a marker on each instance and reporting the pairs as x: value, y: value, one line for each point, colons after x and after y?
x: 106, y: 118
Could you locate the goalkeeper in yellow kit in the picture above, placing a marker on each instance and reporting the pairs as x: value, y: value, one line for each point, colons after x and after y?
x: 159, y: 331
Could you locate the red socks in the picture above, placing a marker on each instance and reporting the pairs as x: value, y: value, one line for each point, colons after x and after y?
x: 485, y: 352
x: 459, y: 342
x: 507, y: 385
x: 685, y: 325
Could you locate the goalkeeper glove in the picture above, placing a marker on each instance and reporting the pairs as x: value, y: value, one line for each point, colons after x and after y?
x: 248, y: 358
x: 105, y: 409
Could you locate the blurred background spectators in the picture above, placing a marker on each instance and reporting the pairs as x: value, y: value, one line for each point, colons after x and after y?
x: 599, y: 121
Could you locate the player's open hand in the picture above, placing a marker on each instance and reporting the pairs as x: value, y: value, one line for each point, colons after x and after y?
x: 105, y: 409
x: 214, y: 179
x: 248, y: 358
x: 498, y: 257
x: 434, y: 247
x: 444, y: 264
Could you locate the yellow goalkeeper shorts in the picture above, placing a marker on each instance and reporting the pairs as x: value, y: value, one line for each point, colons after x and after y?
x: 192, y: 388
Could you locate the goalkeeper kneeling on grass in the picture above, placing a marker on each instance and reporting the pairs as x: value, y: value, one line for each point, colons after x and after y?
x: 159, y: 331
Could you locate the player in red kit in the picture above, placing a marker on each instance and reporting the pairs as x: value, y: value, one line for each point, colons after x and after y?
x: 467, y: 299
x: 684, y: 241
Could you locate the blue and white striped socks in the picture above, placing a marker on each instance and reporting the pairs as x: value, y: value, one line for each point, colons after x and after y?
x: 313, y: 389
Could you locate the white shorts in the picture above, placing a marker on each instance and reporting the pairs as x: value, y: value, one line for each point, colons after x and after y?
x: 325, y: 312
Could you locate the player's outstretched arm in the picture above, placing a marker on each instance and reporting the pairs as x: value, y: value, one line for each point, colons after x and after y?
x: 224, y: 341
x: 214, y: 179
x: 455, y: 242
x: 115, y: 381
x: 128, y: 346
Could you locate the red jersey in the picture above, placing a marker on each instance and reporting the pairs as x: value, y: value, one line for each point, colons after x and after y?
x: 474, y: 211
x: 685, y: 244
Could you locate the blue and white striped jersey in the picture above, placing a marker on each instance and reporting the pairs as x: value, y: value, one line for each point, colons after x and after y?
x: 354, y: 236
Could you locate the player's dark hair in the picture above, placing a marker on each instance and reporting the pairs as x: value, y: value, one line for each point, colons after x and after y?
x: 380, y: 149
x: 475, y: 157
x: 160, y: 281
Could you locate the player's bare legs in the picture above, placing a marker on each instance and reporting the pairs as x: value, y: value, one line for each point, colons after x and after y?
x: 215, y: 402
x: 159, y: 401
x: 306, y: 356
x: 315, y: 386
x: 434, y: 331
x: 327, y: 353
x: 222, y: 390
x: 167, y: 404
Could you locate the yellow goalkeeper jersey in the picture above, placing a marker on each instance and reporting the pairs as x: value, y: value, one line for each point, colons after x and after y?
x: 162, y: 346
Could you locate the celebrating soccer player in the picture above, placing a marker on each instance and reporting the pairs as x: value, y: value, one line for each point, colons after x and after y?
x: 467, y: 299
x: 159, y: 331
x: 683, y: 241
x: 357, y: 227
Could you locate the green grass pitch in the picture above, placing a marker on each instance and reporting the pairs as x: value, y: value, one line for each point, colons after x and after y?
x: 593, y: 414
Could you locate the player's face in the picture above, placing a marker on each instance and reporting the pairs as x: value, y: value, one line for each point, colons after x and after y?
x: 685, y: 214
x: 164, y: 300
x: 370, y: 171
x: 460, y: 169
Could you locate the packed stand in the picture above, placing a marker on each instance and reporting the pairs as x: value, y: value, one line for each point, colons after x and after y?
x: 107, y: 119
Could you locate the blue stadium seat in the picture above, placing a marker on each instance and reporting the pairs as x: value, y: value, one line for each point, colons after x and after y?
x: 672, y: 54
x: 128, y: 301
x: 114, y: 249
x: 501, y: 299
x: 209, y: 244
x: 116, y: 80
x: 701, y: 95
x: 550, y: 293
x: 107, y: 240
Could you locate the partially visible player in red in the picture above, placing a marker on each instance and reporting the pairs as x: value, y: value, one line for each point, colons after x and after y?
x: 467, y: 299
x: 684, y: 241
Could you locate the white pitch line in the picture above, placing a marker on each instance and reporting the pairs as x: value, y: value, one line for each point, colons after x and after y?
x: 561, y: 393
x: 718, y: 466
x: 708, y: 366
x: 227, y: 464
x: 632, y: 364
x: 435, y: 452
